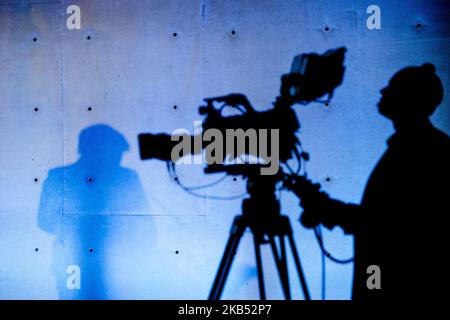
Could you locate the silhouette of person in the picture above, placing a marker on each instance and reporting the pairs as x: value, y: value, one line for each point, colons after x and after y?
x: 398, y: 225
x: 80, y: 204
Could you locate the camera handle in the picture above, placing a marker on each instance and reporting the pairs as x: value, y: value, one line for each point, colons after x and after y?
x: 234, y: 100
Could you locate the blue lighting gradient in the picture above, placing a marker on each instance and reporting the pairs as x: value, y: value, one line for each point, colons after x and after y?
x: 73, y: 190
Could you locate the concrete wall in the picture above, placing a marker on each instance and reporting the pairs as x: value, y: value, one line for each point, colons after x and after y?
x: 131, y: 230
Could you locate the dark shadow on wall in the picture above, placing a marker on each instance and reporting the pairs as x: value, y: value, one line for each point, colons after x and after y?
x: 85, y: 206
x: 397, y: 227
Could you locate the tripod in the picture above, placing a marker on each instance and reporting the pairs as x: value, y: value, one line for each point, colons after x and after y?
x: 261, y: 213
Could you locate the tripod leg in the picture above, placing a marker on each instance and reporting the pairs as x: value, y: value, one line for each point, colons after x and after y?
x: 281, y: 264
x: 262, y: 291
x: 299, y: 267
x: 236, y: 232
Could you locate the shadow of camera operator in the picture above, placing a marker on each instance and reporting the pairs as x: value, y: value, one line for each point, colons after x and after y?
x: 85, y: 205
x: 398, y: 225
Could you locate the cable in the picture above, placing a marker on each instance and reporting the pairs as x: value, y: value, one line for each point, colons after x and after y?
x: 318, y: 234
x: 325, y: 253
x: 240, y: 196
x: 208, y: 185
x: 173, y: 175
x: 289, y: 168
x: 324, y: 281
x: 299, y: 159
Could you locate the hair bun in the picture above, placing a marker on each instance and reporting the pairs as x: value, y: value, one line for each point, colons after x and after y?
x: 429, y: 68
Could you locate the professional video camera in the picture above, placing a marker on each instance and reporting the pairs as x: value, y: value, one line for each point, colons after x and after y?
x: 312, y: 77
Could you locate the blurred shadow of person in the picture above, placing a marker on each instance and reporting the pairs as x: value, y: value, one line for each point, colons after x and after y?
x: 398, y: 225
x: 80, y: 205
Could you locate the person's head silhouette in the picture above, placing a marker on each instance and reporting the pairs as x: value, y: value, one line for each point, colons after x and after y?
x: 102, y: 144
x: 413, y: 94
